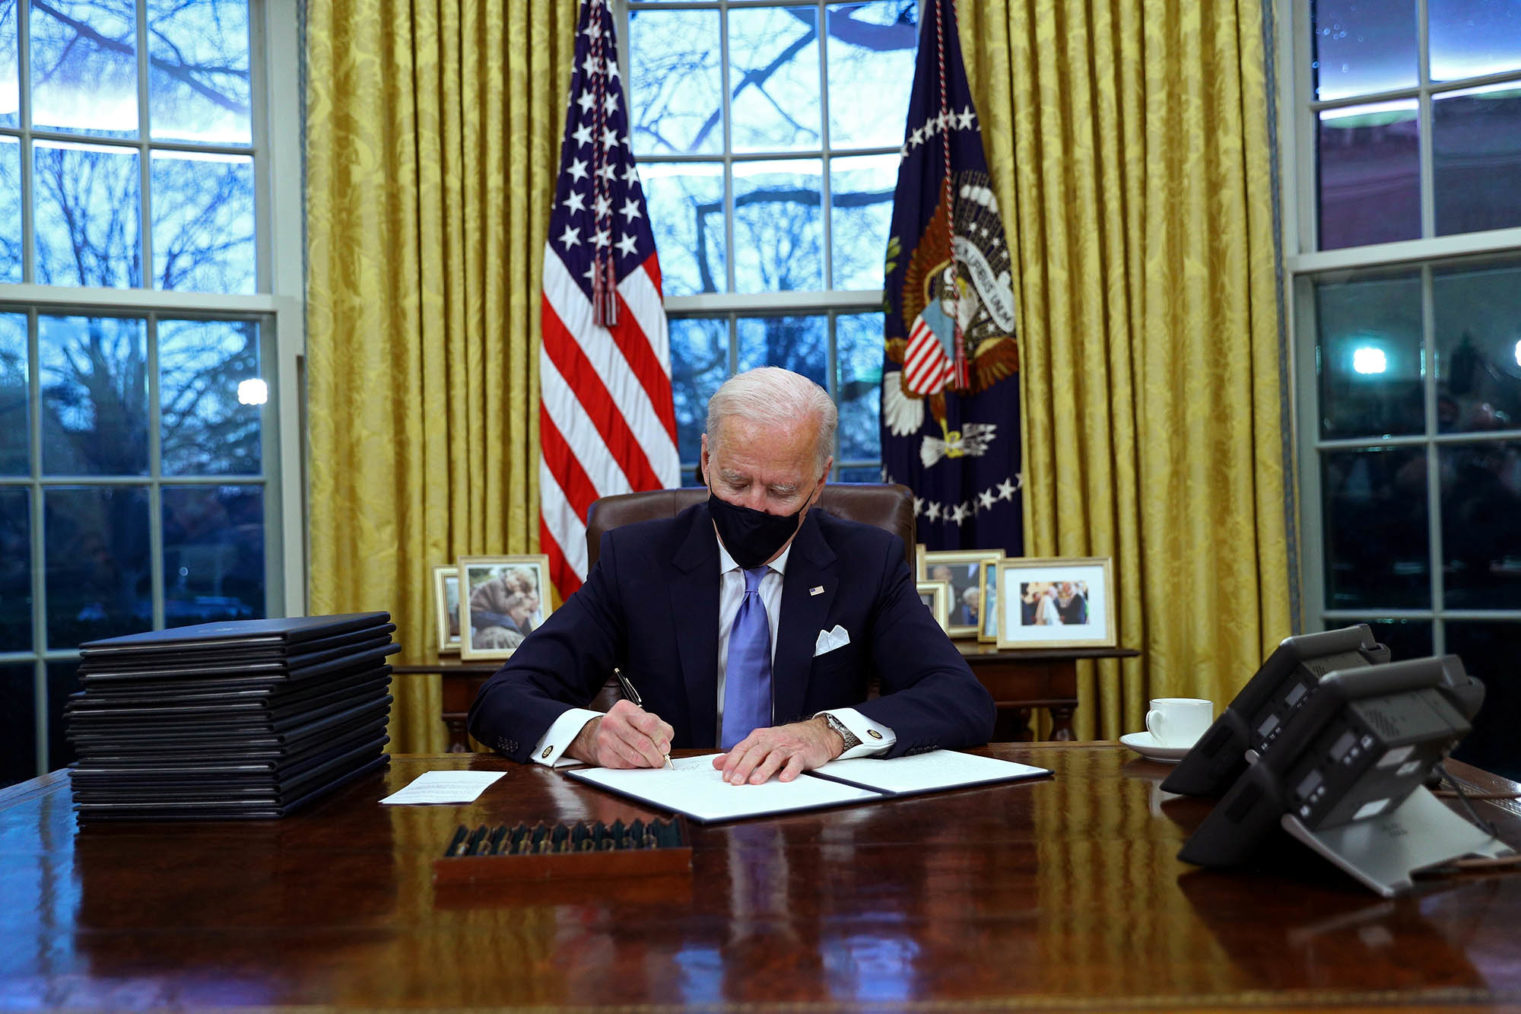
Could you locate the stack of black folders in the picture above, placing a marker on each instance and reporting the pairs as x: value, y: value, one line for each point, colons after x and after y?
x: 237, y: 719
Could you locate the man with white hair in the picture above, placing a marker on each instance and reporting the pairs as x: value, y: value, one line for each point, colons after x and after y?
x: 749, y: 622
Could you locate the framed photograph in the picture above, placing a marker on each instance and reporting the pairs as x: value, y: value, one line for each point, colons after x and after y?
x: 446, y: 607
x: 936, y: 595
x: 502, y: 600
x: 962, y: 569
x: 1056, y: 603
x: 988, y: 606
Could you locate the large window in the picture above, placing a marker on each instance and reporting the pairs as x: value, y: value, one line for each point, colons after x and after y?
x: 1404, y: 141
x: 140, y: 336
x: 767, y: 136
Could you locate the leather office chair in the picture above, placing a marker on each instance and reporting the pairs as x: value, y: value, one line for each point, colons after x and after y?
x: 886, y: 506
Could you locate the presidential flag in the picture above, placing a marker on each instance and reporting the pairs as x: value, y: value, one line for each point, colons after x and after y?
x: 606, y: 420
x: 950, y: 386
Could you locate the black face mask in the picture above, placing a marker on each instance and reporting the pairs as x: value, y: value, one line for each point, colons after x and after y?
x: 752, y: 537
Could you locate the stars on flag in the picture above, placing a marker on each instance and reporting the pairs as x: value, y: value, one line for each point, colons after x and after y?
x: 956, y: 513
x: 948, y: 120
x: 599, y: 182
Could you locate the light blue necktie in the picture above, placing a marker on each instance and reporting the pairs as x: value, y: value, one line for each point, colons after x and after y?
x: 747, y: 675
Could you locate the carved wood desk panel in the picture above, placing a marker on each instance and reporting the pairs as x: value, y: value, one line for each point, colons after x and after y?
x: 1057, y: 895
x: 1020, y: 681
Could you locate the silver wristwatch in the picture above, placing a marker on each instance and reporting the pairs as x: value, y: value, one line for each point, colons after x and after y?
x: 850, y: 738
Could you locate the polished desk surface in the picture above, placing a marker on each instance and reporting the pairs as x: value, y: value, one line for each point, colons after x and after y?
x: 1055, y: 895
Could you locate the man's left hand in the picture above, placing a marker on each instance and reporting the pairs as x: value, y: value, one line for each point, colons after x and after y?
x: 784, y: 751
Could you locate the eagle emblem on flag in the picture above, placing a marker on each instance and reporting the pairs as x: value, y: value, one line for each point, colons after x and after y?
x: 957, y: 280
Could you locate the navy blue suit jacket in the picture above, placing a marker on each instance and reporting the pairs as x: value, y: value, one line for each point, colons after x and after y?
x: 650, y: 605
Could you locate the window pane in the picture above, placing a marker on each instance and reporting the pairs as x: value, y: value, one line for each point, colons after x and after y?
x: 858, y: 386
x: 686, y: 206
x: 207, y: 430
x: 870, y: 52
x: 1489, y: 651
x: 861, y: 200
x: 203, y: 222
x: 1360, y: 47
x: 94, y: 374
x: 1473, y: 37
x: 95, y: 546
x: 1478, y: 346
x: 10, y: 209
x: 18, y: 725
x: 198, y: 80
x: 860, y: 473
x: 699, y: 363
x: 798, y: 344
x: 1476, y: 159
x: 675, y: 82
x: 88, y: 217
x: 15, y: 569
x: 63, y: 680
x: 84, y: 66
x: 15, y: 425
x: 1481, y: 525
x: 10, y: 66
x: 778, y: 235
x: 1376, y: 544
x: 213, y: 554
x: 774, y: 79
x: 1369, y: 356
x: 1404, y: 638
x: 1369, y: 175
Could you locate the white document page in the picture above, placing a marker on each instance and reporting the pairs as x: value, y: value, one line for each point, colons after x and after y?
x: 445, y: 787
x: 694, y: 787
x: 927, y: 772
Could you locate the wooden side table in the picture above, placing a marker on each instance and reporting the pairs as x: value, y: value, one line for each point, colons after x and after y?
x: 1023, y: 679
x: 1020, y: 680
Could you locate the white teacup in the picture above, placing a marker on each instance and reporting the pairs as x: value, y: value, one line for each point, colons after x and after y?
x: 1178, y: 722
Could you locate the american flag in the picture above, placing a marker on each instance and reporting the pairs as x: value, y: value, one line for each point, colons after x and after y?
x: 606, y: 420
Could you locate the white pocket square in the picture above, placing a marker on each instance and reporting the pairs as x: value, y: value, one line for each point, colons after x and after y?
x: 829, y: 640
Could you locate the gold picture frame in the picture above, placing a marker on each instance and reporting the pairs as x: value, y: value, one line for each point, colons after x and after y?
x: 962, y: 569
x: 446, y: 607
x: 502, y: 600
x: 936, y: 597
x: 987, y: 632
x: 1056, y: 603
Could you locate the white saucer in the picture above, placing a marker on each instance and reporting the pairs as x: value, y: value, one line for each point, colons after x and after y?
x: 1143, y: 744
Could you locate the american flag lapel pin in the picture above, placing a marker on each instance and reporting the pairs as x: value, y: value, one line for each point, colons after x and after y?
x: 817, y: 589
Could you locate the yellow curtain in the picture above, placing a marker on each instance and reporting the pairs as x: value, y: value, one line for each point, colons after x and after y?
x: 432, y: 141
x: 1129, y: 147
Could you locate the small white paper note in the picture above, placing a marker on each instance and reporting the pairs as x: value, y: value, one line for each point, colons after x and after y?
x: 445, y: 787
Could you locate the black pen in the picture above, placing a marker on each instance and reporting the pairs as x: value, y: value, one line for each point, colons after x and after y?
x: 633, y: 698
x: 456, y: 842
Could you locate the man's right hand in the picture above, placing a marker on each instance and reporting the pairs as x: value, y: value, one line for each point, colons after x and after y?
x: 626, y: 737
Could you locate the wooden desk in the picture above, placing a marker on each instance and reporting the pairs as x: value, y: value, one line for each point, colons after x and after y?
x: 1058, y: 895
x: 1020, y: 681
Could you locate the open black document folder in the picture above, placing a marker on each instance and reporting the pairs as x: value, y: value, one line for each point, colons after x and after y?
x: 692, y: 786
x: 243, y: 718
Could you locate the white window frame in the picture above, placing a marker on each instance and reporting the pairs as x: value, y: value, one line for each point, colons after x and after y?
x: 276, y: 86
x: 1303, y: 265
x: 731, y: 305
